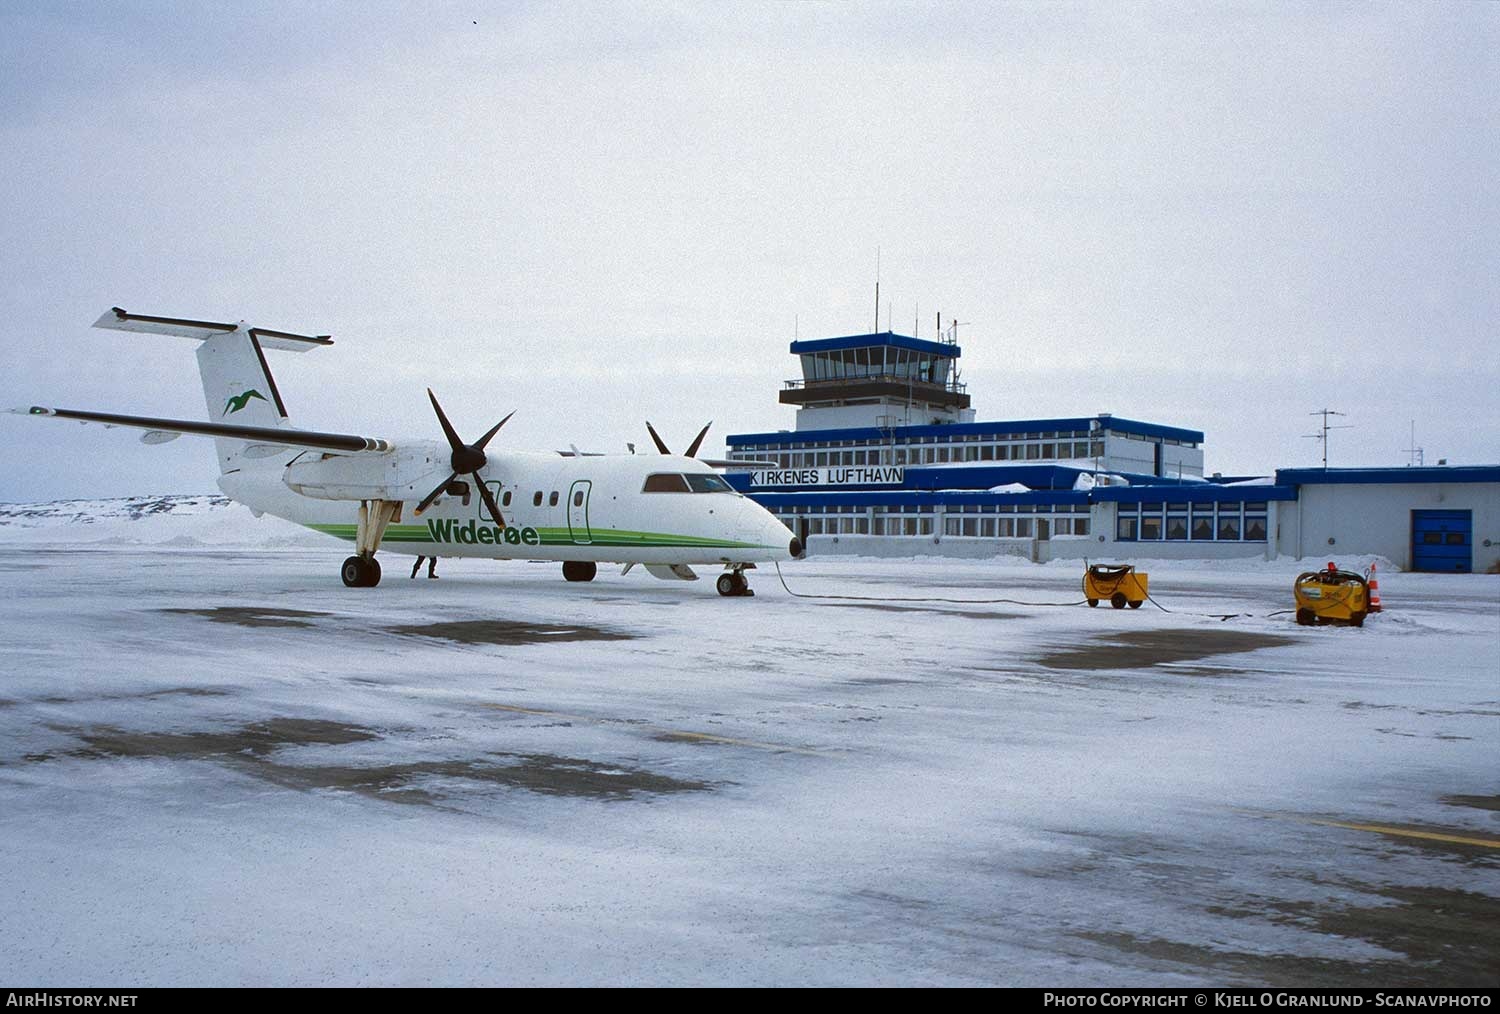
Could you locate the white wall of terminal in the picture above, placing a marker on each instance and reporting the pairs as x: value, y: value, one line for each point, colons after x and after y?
x: 1100, y: 546
x: 1325, y: 521
x: 1109, y: 451
x: 1376, y: 518
x: 1125, y: 453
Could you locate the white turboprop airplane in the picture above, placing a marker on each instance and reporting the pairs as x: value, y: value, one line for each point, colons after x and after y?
x: 664, y: 512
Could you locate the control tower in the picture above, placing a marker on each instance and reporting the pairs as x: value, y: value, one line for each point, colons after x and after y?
x: 884, y: 380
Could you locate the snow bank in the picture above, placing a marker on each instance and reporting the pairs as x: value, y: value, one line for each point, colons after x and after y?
x: 193, y: 520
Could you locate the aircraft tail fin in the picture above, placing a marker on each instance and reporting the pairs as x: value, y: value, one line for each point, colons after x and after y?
x: 238, y: 387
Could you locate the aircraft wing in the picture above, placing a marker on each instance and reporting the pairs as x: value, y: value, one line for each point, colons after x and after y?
x: 161, y: 430
x: 722, y: 463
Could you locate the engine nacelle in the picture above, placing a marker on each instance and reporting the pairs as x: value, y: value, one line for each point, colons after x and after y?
x: 402, y: 473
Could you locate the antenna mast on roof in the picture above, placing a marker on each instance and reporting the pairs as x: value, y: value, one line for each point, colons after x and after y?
x: 877, y: 291
x: 1416, y: 453
x: 1323, y: 436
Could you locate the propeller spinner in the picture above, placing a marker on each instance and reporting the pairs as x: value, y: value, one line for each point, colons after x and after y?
x: 467, y: 459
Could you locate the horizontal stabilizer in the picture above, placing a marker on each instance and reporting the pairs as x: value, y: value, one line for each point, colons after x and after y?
x: 267, y: 435
x: 117, y: 319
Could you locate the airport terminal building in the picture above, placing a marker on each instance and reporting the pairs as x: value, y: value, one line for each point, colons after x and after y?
x: 887, y: 459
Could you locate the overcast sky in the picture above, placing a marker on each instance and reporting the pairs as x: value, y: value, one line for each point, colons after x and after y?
x: 1215, y: 216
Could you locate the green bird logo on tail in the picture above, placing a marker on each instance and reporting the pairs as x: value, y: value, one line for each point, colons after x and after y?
x: 239, y: 401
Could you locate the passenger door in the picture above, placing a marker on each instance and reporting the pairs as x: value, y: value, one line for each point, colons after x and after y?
x: 578, y: 512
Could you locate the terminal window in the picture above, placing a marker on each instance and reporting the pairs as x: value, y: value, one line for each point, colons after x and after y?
x: 1231, y: 521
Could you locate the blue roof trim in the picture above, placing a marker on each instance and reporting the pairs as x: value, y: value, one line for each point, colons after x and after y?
x: 1197, y: 492
x: 1135, y: 427
x: 1005, y: 428
x: 884, y: 338
x: 1368, y: 476
x: 1103, y: 494
x: 970, y: 478
x: 914, y: 498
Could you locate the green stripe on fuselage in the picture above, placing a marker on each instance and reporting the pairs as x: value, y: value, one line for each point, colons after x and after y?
x: 610, y: 537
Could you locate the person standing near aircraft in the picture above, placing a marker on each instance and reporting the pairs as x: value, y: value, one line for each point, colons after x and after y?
x: 431, y: 566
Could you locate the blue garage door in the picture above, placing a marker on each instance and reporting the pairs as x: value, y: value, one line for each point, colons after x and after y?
x: 1442, y: 541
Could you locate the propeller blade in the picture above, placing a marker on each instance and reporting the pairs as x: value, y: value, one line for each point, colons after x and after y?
x: 427, y: 502
x: 692, y: 451
x: 659, y: 445
x: 489, y: 499
x: 448, y: 429
x: 493, y: 430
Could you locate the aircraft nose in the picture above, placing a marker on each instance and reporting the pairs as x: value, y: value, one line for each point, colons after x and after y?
x: 771, y: 532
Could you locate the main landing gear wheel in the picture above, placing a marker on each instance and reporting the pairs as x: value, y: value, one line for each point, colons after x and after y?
x: 579, y: 570
x: 361, y: 572
x: 731, y: 583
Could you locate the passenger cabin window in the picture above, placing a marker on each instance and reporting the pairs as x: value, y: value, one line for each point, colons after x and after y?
x: 536, y: 499
x: 505, y: 500
x: 578, y: 499
x: 665, y: 482
x: 552, y: 500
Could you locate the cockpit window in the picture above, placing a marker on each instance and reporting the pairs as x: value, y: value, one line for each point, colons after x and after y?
x: 694, y: 482
x: 665, y: 482
x: 707, y: 483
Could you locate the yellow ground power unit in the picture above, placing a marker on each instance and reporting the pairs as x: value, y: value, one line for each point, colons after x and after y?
x: 1331, y: 596
x: 1119, y: 583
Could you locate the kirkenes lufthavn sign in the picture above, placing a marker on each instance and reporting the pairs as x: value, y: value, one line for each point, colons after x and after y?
x: 837, y: 475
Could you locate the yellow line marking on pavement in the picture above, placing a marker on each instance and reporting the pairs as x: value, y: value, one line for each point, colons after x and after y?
x: 668, y: 734
x: 1488, y: 843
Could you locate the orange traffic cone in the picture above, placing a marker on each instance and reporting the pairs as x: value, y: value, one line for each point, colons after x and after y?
x: 1374, y: 590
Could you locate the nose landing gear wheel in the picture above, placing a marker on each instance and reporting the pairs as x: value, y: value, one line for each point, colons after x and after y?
x: 733, y: 583
x: 360, y: 572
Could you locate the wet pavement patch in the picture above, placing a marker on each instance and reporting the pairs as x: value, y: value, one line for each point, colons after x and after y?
x: 1474, y: 802
x: 1140, y: 649
x: 257, y: 740
x: 1448, y: 937
x: 509, y: 632
x: 437, y: 782
x: 1413, y: 934
x: 146, y: 695
x: 251, y: 749
x: 254, y: 616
